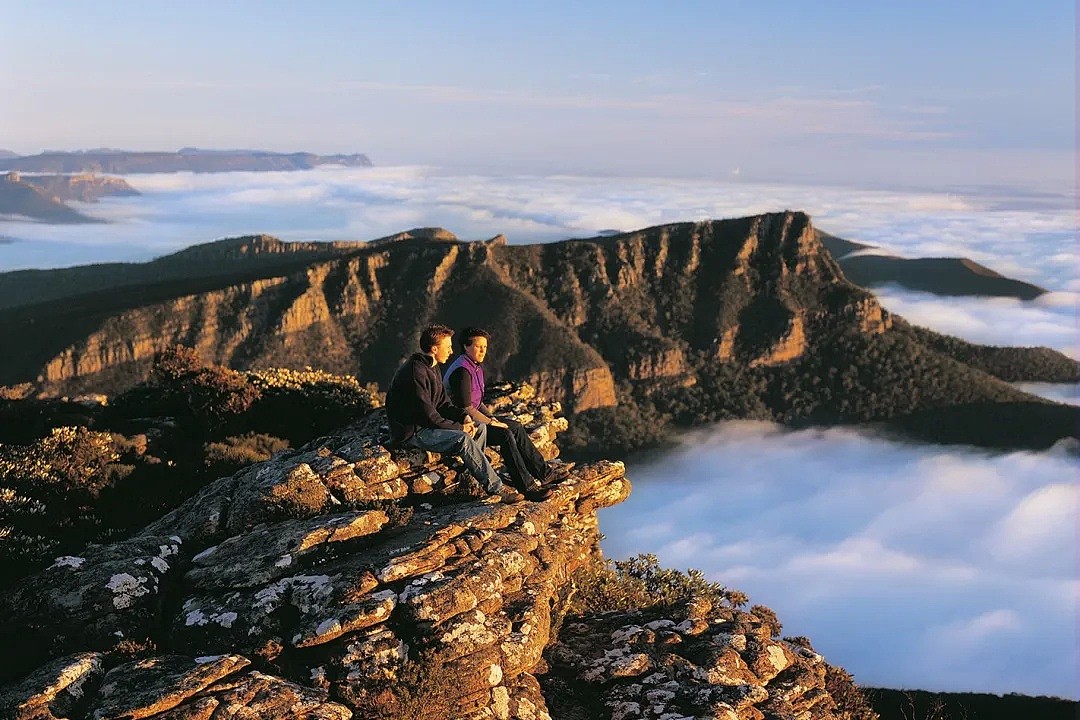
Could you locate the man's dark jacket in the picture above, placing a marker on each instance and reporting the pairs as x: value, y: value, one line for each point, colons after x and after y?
x: 416, y: 399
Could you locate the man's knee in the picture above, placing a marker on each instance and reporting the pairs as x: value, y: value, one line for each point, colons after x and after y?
x: 518, y: 430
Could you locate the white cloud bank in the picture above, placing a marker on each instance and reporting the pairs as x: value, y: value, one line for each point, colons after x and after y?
x: 912, y: 566
x: 1050, y: 320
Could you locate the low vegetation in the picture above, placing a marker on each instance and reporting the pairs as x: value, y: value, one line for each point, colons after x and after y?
x: 1012, y: 364
x: 897, y: 380
x: 72, y: 473
x: 923, y: 705
x: 640, y: 583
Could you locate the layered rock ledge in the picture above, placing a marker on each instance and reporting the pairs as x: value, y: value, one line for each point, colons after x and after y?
x: 343, y: 579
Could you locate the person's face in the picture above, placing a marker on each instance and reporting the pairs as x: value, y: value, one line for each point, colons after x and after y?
x: 442, y: 349
x: 477, y: 351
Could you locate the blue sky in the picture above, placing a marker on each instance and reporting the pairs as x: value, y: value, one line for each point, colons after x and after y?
x: 919, y: 93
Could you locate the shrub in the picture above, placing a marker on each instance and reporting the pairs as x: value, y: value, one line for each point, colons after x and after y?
x: 48, y: 490
x: 202, y: 398
x: 640, y: 582
x: 851, y: 703
x: 303, y: 404
x: 768, y: 618
x: 239, y: 451
x: 424, y: 688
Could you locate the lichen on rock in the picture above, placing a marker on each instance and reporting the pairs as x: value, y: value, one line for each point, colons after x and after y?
x: 344, y: 579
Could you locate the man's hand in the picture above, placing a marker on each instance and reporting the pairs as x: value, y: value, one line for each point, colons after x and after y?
x: 497, y: 423
x: 468, y: 426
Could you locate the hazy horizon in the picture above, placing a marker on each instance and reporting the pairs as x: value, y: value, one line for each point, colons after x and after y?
x: 922, y: 94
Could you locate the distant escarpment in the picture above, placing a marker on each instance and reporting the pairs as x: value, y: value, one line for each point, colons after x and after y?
x: 86, y: 187
x: 347, y: 580
x: 938, y: 275
x: 34, y: 199
x: 684, y: 323
x: 125, y: 162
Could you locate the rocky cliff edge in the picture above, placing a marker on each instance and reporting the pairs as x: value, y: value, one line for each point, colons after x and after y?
x: 343, y: 579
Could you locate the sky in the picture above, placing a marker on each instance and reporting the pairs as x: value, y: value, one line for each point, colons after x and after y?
x: 876, y: 94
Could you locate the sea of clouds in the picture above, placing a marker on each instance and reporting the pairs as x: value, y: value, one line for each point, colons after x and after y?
x: 912, y: 565
x: 931, y: 567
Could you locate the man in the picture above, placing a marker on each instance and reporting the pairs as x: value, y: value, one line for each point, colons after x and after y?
x: 465, y: 381
x: 421, y: 415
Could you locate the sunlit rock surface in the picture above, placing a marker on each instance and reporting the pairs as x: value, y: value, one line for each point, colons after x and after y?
x: 344, y: 579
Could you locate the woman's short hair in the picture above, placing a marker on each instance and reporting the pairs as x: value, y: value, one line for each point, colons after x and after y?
x: 467, y: 335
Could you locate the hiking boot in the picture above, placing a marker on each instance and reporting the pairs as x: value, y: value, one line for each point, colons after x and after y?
x: 508, y: 494
x: 538, y: 493
x: 557, y: 471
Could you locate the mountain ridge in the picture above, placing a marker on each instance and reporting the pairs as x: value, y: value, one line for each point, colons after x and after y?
x: 124, y: 162
x: 948, y: 276
x: 671, y: 316
x: 22, y: 198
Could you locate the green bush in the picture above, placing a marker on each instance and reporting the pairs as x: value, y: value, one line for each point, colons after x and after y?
x: 303, y: 404
x: 851, y: 702
x: 200, y: 397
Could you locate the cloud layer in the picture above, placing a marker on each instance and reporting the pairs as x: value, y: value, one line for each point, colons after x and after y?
x: 1050, y: 320
x: 912, y: 566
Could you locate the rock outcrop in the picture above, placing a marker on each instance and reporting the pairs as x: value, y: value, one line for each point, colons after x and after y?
x: 343, y: 579
x: 702, y: 662
x: 86, y: 187
x: 22, y: 199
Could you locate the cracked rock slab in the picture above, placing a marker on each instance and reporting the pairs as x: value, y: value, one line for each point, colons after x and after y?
x: 272, y: 551
x: 257, y: 696
x: 144, y: 688
x: 51, y: 691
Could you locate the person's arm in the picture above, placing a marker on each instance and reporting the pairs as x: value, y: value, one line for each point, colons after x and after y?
x: 427, y: 397
x: 461, y: 391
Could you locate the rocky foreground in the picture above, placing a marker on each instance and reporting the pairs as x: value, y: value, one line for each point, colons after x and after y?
x: 346, y: 580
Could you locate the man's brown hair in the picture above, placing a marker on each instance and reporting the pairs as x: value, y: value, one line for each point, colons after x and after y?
x: 431, y: 336
x: 469, y: 333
